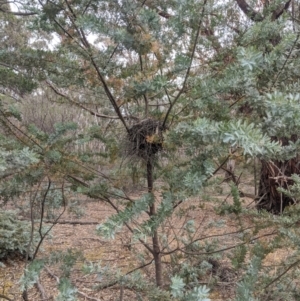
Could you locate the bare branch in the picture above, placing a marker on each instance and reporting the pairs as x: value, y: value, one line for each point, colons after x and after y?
x: 60, y: 93
x: 249, y: 11
x: 280, y: 10
x: 107, y: 285
x: 70, y: 222
x: 230, y: 247
x: 162, y: 13
x: 56, y: 220
x: 258, y: 17
x: 23, y: 14
x: 41, y: 289
x: 51, y: 274
x: 283, y: 273
x: 87, y: 297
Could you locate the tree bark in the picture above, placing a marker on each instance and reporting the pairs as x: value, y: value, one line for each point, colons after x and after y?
x: 275, y: 174
x: 280, y: 10
x: 155, y: 241
x: 249, y: 11
x: 257, y: 16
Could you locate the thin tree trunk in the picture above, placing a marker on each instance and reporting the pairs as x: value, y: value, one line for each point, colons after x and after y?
x: 155, y: 241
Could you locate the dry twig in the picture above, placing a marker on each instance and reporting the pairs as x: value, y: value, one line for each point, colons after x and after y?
x: 87, y: 297
x: 41, y: 290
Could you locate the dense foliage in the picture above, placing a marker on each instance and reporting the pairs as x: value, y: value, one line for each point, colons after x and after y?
x: 167, y: 91
x: 15, y: 235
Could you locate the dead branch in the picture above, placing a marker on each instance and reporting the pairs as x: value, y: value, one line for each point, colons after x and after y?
x: 70, y: 222
x: 284, y: 178
x: 5, y: 297
x: 87, y: 297
x: 52, y: 274
x: 63, y: 222
x: 227, y: 248
x: 41, y: 290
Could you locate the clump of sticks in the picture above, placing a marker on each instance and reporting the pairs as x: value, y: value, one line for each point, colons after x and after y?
x: 145, y: 139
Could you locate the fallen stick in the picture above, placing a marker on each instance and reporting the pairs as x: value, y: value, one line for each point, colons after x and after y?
x: 41, y: 290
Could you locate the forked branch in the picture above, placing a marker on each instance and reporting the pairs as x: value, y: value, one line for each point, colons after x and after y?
x: 249, y: 11
x: 257, y: 16
x: 189, y: 68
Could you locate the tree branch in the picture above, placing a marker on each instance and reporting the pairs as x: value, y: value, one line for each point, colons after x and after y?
x: 189, y: 68
x: 283, y: 273
x: 107, y: 285
x: 70, y: 222
x: 280, y: 10
x: 258, y: 17
x: 88, y: 49
x: 87, y: 297
x: 56, y: 220
x: 249, y: 11
x: 17, y: 13
x: 41, y: 289
x: 128, y: 226
x: 158, y: 11
x: 58, y: 92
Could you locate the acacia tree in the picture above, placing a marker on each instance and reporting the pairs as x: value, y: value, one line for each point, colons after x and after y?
x: 76, y: 62
x: 259, y: 39
x: 168, y: 76
x: 136, y: 42
x: 275, y: 173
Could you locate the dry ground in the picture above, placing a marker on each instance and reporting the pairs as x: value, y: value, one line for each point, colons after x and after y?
x: 116, y: 253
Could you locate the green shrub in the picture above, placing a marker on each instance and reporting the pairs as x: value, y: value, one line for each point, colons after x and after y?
x: 14, y: 235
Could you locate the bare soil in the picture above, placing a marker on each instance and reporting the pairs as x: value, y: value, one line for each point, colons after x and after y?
x: 118, y: 253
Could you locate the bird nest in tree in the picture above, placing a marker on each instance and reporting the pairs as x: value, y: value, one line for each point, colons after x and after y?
x: 145, y: 139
